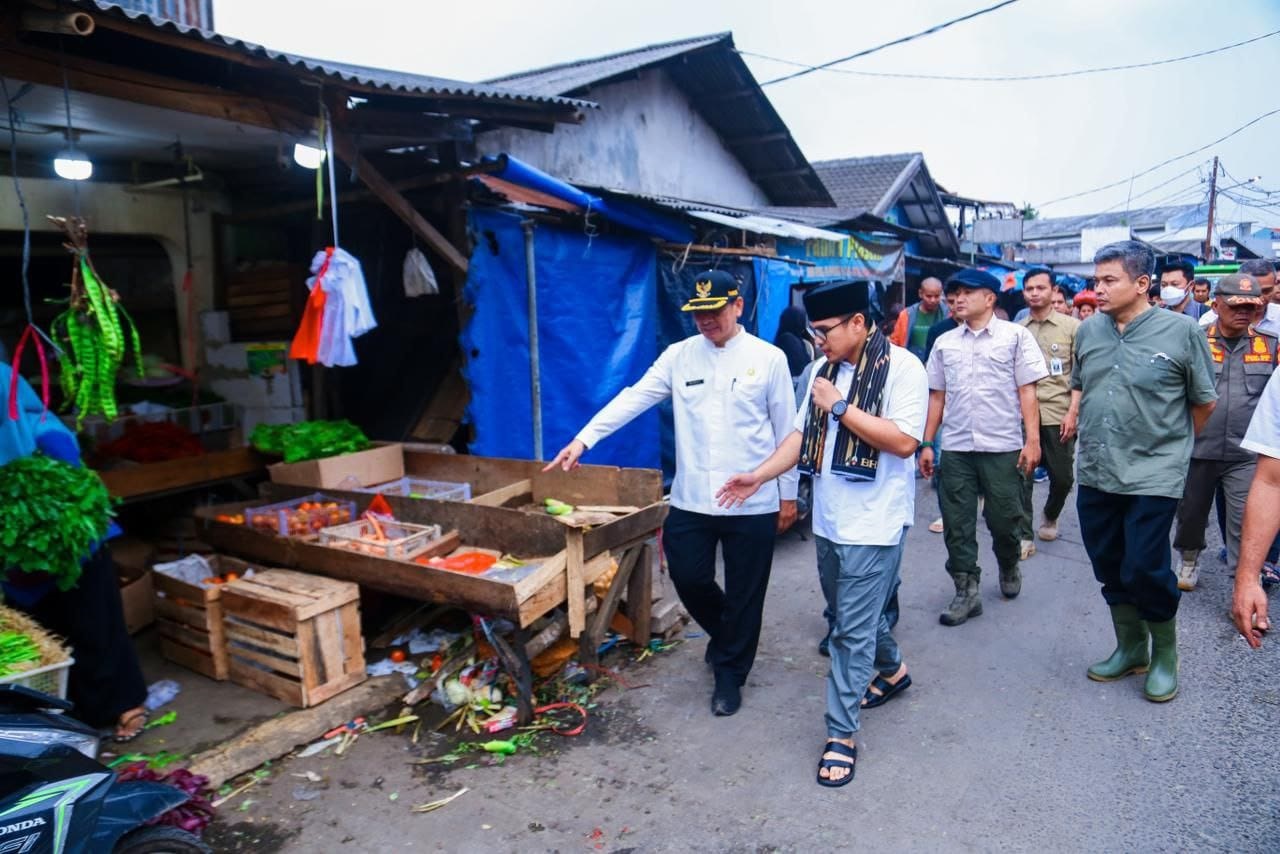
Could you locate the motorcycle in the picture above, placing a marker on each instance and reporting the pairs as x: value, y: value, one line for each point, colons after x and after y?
x: 56, y: 798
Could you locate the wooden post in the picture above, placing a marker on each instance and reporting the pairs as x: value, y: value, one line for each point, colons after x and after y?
x: 640, y: 593
x: 574, y: 585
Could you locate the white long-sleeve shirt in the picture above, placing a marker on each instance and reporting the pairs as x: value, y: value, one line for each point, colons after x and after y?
x: 733, y: 406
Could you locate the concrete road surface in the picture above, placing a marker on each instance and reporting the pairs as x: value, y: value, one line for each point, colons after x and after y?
x: 1001, y: 744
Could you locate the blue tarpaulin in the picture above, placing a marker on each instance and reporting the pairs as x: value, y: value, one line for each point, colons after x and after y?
x: 597, y: 333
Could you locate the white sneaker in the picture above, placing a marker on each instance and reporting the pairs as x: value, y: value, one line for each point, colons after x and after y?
x: 1028, y: 549
x: 1189, y: 570
x: 936, y: 526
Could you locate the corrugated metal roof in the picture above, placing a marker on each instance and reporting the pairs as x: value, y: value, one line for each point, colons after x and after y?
x: 1140, y: 218
x: 714, y: 78
x: 393, y: 82
x: 581, y: 73
x: 867, y: 182
x: 769, y: 225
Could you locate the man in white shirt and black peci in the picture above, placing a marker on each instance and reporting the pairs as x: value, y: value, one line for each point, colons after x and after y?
x: 733, y: 404
x: 856, y: 434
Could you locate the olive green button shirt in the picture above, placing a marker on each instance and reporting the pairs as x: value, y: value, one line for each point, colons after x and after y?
x: 1056, y: 335
x: 1135, y: 430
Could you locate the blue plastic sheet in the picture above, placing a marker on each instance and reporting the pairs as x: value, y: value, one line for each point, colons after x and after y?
x: 597, y: 334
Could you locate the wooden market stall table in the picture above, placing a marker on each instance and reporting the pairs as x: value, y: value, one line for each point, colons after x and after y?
x: 571, y: 554
x: 153, y: 480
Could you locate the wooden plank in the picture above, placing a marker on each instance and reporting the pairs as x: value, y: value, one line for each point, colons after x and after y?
x: 552, y: 593
x: 391, y: 197
x: 329, y: 640
x: 183, y: 615
x: 551, y: 569
x: 335, y: 687
x: 201, y: 661
x: 283, y: 665
x: 184, y: 634
x: 286, y: 645
x: 264, y: 613
x: 150, y: 478
x: 311, y: 669
x: 627, y: 528
x: 316, y: 594
x: 273, y: 738
x: 267, y: 683
x: 640, y: 593
x: 352, y: 639
x: 498, y: 497
x: 592, y: 639
x: 574, y: 583
x: 615, y: 509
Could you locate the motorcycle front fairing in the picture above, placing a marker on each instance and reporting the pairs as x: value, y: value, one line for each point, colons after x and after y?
x: 130, y: 805
x: 51, y: 804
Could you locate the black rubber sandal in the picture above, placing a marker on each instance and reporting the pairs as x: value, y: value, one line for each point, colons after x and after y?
x: 126, y: 725
x: 850, y: 751
x: 888, y: 690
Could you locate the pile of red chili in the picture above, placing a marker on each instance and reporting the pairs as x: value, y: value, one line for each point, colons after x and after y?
x: 152, y: 442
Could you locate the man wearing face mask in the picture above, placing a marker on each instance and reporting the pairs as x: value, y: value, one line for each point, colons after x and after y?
x: 733, y: 404
x: 1175, y: 289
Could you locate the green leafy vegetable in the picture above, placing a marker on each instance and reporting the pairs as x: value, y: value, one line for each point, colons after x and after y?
x: 308, y: 440
x: 53, y: 513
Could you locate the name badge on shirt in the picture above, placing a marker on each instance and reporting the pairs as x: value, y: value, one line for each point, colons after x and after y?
x: 693, y: 382
x: 1055, y: 367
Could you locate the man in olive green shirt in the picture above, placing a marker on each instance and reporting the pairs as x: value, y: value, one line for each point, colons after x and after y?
x: 1055, y: 332
x: 1145, y: 386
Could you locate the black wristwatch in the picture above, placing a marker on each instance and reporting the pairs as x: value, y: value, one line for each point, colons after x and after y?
x: 839, y: 408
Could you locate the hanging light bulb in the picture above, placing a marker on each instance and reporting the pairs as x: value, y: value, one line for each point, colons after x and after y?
x: 307, y: 156
x: 73, y: 165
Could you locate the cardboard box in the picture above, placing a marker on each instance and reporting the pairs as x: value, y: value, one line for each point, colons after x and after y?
x: 378, y: 464
x: 137, y: 596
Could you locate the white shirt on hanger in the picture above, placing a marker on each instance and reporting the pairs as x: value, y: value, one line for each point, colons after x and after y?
x: 733, y: 406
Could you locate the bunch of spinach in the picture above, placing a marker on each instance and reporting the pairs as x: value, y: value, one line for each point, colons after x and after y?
x: 51, y: 515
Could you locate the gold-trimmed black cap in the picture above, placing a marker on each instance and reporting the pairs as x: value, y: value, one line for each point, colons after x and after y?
x: 712, y: 291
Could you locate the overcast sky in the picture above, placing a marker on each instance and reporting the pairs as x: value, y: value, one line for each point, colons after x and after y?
x: 1021, y: 142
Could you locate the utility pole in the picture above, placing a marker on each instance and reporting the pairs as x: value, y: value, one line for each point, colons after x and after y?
x: 1213, y: 199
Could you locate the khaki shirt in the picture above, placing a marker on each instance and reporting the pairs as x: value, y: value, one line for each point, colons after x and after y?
x: 1056, y: 336
x: 980, y: 373
x: 1242, y: 366
x: 1135, y: 432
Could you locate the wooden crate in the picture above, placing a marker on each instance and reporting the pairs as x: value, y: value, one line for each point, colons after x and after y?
x: 293, y: 636
x: 189, y: 619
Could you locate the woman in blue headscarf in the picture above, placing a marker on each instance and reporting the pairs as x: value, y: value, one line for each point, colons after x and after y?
x: 106, y: 682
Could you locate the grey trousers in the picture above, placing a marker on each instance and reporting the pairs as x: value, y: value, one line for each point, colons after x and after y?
x: 1203, y: 478
x: 857, y: 582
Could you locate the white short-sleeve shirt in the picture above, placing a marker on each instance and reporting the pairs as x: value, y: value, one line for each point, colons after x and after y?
x: 1263, y: 436
x: 871, y: 513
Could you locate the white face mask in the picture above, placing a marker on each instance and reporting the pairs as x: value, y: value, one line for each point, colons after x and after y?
x: 1172, y: 295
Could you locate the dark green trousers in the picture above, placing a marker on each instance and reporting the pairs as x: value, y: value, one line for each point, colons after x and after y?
x: 1059, y: 459
x: 966, y: 475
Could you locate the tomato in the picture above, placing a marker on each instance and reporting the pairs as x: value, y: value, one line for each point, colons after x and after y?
x: 397, y: 655
x: 231, y: 576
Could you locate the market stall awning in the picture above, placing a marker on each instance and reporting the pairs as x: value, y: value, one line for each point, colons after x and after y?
x: 768, y: 225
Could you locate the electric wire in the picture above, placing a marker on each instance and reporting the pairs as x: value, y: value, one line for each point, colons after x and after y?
x: 1011, y: 78
x: 1163, y: 163
x: 903, y: 40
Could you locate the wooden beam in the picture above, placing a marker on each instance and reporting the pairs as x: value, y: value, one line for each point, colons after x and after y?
x: 420, y: 182
x: 393, y: 199
x: 416, y: 128
x: 499, y: 497
x: 22, y: 62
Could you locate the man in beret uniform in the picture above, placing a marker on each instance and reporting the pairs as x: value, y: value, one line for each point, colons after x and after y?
x: 733, y: 403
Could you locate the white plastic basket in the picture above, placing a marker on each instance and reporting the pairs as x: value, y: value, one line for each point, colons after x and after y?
x: 50, y: 679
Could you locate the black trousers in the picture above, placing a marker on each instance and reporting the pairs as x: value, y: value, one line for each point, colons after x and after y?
x: 731, y: 616
x: 106, y: 679
x: 1127, y: 538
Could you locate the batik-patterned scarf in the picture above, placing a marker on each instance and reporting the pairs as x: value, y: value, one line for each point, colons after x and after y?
x: 852, y: 457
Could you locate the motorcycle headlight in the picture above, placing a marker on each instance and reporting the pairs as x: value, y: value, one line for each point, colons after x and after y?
x: 86, y: 744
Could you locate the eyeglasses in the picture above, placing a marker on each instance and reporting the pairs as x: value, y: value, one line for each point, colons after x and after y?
x: 821, y: 333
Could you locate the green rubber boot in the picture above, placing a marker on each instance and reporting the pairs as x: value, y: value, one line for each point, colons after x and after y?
x: 1131, y: 654
x: 1162, y: 679
x: 967, y: 602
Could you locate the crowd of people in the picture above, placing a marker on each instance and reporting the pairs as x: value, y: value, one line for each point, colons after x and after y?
x: 1150, y: 393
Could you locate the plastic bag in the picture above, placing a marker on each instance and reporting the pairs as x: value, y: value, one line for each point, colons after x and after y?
x: 419, y: 278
